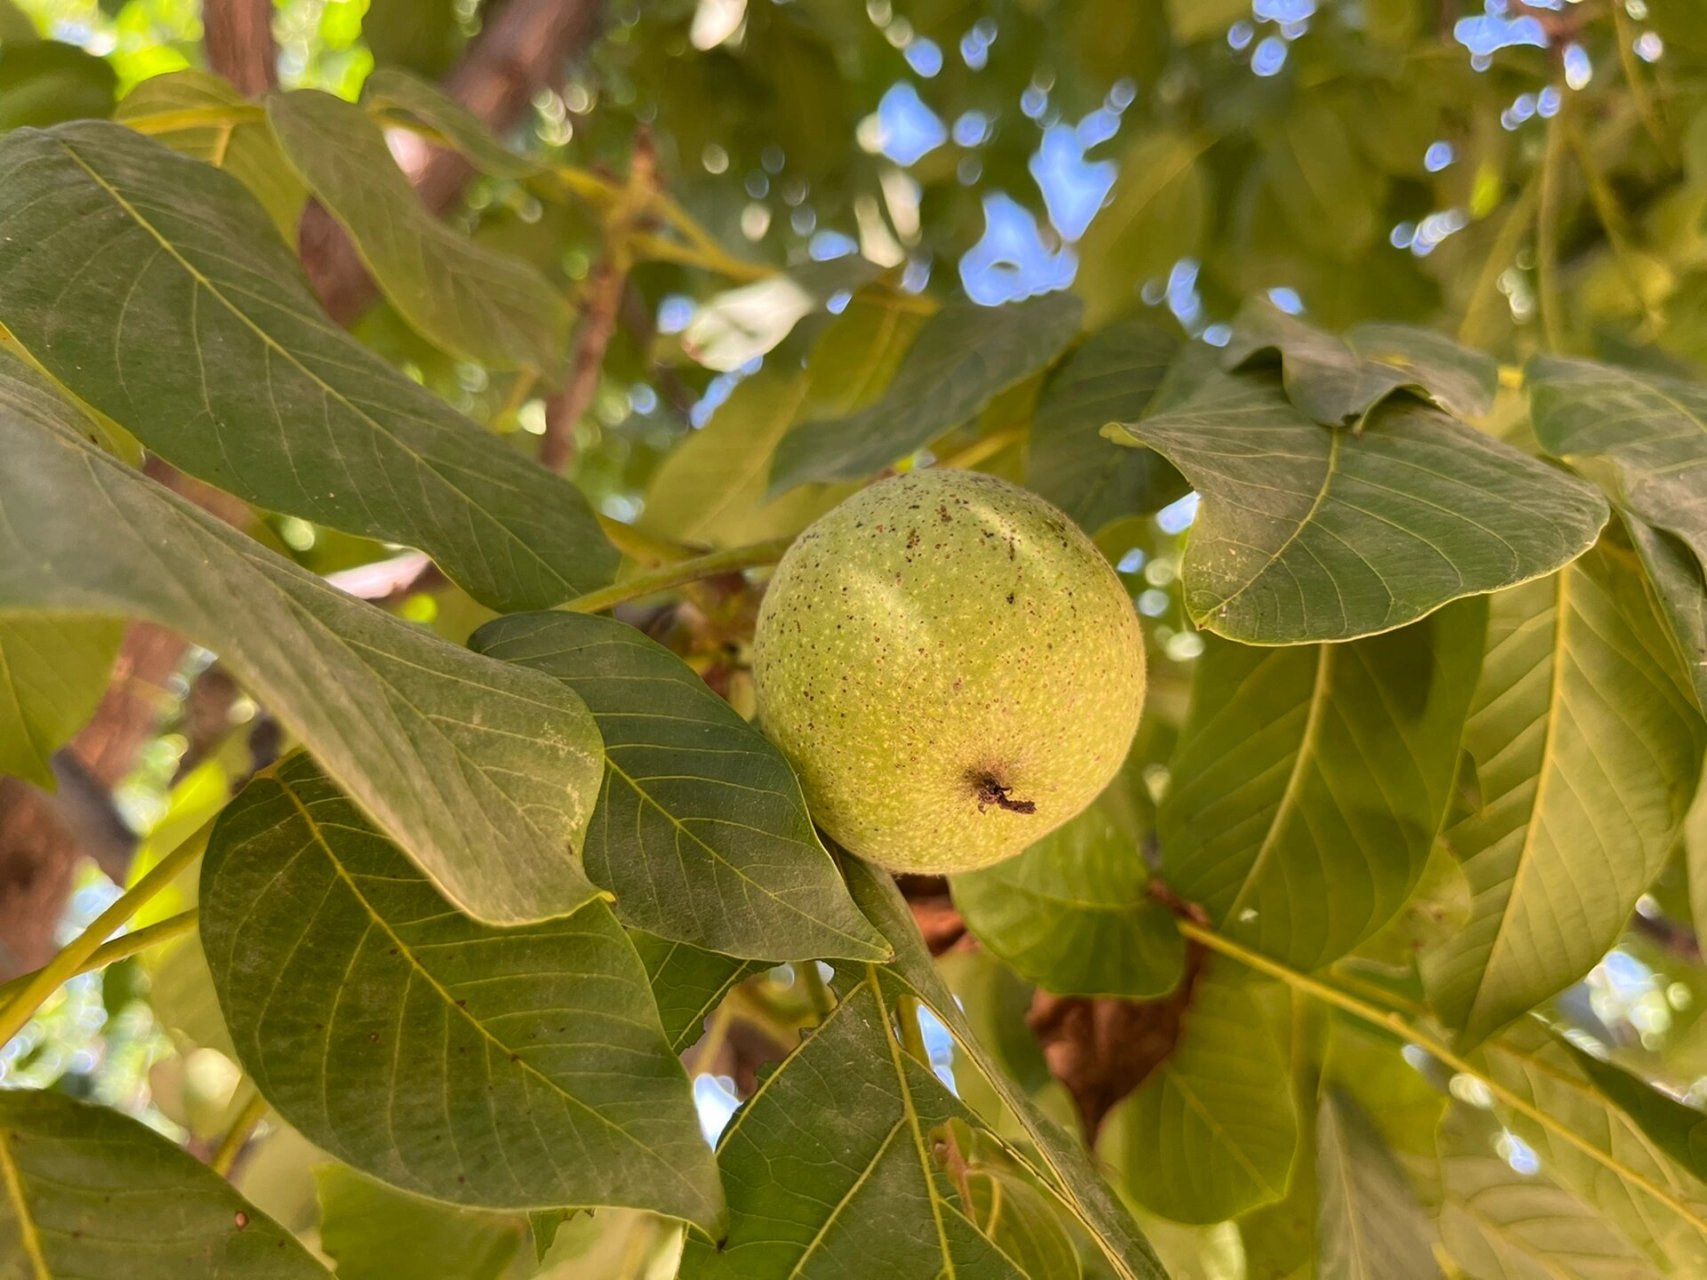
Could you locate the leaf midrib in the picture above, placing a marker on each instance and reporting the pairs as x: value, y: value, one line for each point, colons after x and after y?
x: 408, y: 953
x: 27, y: 1230
x: 206, y: 284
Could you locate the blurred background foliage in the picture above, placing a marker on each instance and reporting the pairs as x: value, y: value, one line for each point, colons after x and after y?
x: 1526, y: 176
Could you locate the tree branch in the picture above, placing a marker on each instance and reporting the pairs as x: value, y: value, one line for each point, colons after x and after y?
x: 523, y: 49
x: 238, y: 36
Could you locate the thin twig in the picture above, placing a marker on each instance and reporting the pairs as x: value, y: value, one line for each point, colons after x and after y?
x: 1646, y: 108
x: 598, y: 315
x: 120, y: 948
x: 1612, y: 222
x: 242, y: 1129
x: 679, y: 574
x: 1547, y: 234
x: 81, y: 949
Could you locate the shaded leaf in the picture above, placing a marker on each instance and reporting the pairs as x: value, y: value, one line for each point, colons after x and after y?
x: 393, y: 92
x: 1587, y: 749
x: 1499, y: 1224
x: 53, y: 671
x: 834, y: 1165
x: 484, y: 773
x: 87, y: 1191
x: 1111, y: 377
x: 1670, y: 1226
x: 45, y: 81
x: 1371, y: 1226
x: 1644, y: 437
x: 1315, y: 533
x: 701, y: 831
x: 202, y: 116
x: 537, y: 1072
x: 1309, y: 782
x: 375, y: 1232
x: 1022, y: 1222
x: 469, y: 299
x: 1327, y: 193
x: 110, y: 242
x: 963, y: 357
x: 1057, y: 1162
x: 1213, y: 1130
x: 1073, y: 913
x: 687, y: 983
x: 1153, y: 217
x: 1336, y: 380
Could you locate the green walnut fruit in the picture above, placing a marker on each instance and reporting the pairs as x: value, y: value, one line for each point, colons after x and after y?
x: 952, y: 668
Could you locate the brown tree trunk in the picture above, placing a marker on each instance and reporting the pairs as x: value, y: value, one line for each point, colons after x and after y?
x: 526, y: 46
x: 238, y: 36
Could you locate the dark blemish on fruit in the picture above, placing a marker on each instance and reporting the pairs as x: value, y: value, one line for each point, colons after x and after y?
x: 991, y: 792
x: 373, y: 1036
x: 912, y: 539
x: 1010, y: 597
x: 241, y: 1219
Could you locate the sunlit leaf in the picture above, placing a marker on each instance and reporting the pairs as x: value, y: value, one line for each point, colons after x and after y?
x: 1073, y: 913
x: 1318, y: 533
x: 1371, y: 1226
x: 1499, y: 1224
x: 1340, y: 379
x: 153, y: 287
x: 537, y: 1073
x: 1587, y: 749
x: 1309, y: 781
x: 1644, y: 437
x: 375, y: 1232
x: 1110, y: 378
x: 390, y: 92
x: 1674, y: 1127
x: 701, y: 831
x: 472, y: 301
x: 486, y: 774
x: 86, y: 1191
x: 1154, y: 216
x: 1624, y: 1167
x: 1212, y: 1130
x: 202, y: 116
x: 963, y: 356
x: 53, y: 671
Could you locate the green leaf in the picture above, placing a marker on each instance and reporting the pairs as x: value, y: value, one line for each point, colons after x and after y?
x: 53, y: 671
x: 1370, y: 1225
x: 203, y: 117
x: 963, y: 357
x: 1622, y: 1183
x: 1022, y: 1223
x: 375, y: 1232
x: 740, y: 324
x: 1057, y: 1162
x: 1212, y: 1130
x: 1073, y: 912
x: 45, y: 81
x: 1110, y: 378
x: 91, y: 1192
x: 1499, y: 1224
x: 1644, y: 437
x: 701, y: 831
x: 1587, y: 749
x: 833, y: 1166
x: 1336, y: 380
x: 711, y: 487
x: 1309, y: 782
x: 389, y: 92
x: 1674, y: 1127
x: 1154, y: 216
x: 484, y: 773
x: 1316, y: 533
x: 687, y: 983
x: 1328, y: 194
x: 537, y: 1072
x: 472, y: 301
x: 1193, y: 20
x: 153, y: 287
